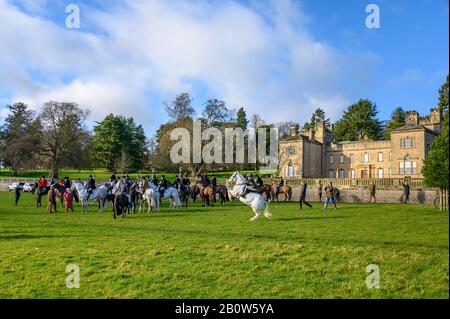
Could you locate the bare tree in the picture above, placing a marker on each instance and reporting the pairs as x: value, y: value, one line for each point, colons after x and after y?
x: 256, y: 121
x: 61, y: 128
x: 180, y: 108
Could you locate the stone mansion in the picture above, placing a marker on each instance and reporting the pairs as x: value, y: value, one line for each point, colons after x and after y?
x: 315, y: 153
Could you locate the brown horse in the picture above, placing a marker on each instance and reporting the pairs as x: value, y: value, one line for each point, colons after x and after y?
x: 206, y: 194
x: 286, y: 190
x: 266, y: 189
x: 222, y: 191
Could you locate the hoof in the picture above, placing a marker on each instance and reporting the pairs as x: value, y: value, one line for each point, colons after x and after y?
x: 268, y: 215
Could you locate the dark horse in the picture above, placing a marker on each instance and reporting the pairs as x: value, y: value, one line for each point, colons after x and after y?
x: 121, y: 205
x: 222, y: 191
x: 185, y: 192
x: 41, y: 192
x: 266, y: 189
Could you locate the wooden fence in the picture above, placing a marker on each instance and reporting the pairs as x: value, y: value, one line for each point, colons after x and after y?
x: 443, y: 200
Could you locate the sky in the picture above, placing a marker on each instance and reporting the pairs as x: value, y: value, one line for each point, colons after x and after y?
x: 278, y: 58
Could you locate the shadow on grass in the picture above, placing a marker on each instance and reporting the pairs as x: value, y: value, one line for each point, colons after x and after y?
x: 27, y: 236
x: 309, y: 217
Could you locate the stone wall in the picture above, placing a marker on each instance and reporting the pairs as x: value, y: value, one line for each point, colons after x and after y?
x: 361, y: 195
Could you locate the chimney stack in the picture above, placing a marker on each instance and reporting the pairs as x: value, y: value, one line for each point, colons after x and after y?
x: 294, y: 130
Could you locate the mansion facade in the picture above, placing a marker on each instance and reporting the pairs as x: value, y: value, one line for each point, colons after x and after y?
x: 315, y: 153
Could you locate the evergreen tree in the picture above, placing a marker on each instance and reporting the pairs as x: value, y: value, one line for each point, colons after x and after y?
x: 242, y: 121
x: 319, y: 114
x: 117, y: 138
x: 436, y: 168
x: 359, y: 122
x: 398, y: 119
x: 17, y: 138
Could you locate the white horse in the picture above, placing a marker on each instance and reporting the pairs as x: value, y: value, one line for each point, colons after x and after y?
x: 172, y: 194
x: 152, y: 196
x: 100, y: 192
x: 254, y: 200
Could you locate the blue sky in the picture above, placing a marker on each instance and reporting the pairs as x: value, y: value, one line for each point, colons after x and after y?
x: 280, y: 59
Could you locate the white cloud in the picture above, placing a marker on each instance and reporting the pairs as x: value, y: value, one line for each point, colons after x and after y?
x: 259, y: 56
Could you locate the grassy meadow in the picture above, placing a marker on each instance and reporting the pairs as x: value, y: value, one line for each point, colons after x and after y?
x: 218, y: 253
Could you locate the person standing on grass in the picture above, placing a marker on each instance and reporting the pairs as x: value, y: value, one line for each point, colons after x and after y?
x: 50, y: 196
x: 68, y: 199
x: 55, y: 193
x: 320, y: 189
x: 16, y: 196
x: 372, y: 192
x: 303, y: 187
x: 329, y: 192
x: 406, y: 193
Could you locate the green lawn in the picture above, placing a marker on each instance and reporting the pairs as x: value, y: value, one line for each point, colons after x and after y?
x: 218, y: 253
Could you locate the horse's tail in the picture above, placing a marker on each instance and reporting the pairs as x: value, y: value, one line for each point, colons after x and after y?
x: 266, y: 210
x: 153, y: 200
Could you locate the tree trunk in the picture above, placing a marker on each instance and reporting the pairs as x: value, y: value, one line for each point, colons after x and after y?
x: 55, y: 171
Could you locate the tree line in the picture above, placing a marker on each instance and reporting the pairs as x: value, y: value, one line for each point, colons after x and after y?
x: 57, y: 137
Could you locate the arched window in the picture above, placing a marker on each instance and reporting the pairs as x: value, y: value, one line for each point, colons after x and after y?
x: 341, y: 173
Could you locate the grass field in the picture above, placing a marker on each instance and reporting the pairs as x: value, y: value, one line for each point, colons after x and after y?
x: 217, y: 253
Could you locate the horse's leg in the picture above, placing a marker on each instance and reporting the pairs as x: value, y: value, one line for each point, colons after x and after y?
x: 257, y: 214
x: 285, y: 196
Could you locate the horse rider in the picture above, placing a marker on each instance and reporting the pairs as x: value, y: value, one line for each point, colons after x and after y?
x: 113, y: 178
x: 250, y: 185
x: 280, y: 183
x: 185, y: 181
x: 259, y: 181
x: 154, y: 180
x: 177, y: 182
x: 163, y: 185
x: 90, y: 185
x: 124, y: 187
x: 127, y: 181
x: 144, y: 184
x: 67, y: 182
x: 42, y: 184
x: 206, y: 181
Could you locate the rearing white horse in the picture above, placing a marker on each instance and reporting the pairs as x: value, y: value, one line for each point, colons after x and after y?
x: 254, y: 200
x: 100, y: 192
